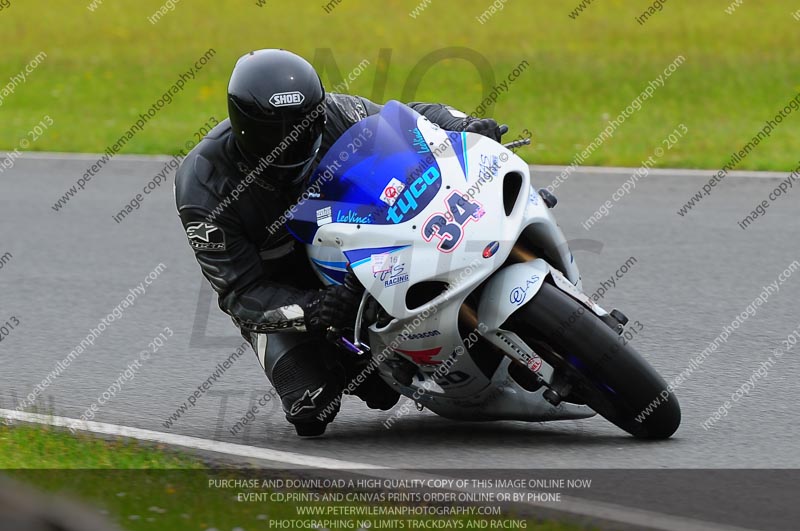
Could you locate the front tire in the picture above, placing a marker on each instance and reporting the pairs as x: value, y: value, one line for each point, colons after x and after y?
x: 603, y: 371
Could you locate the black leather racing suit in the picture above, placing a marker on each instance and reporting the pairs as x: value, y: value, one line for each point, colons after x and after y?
x: 260, y: 276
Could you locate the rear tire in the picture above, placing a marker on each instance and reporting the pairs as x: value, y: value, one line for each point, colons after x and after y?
x: 606, y: 373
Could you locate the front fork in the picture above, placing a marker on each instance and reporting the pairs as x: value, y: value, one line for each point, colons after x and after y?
x: 507, y: 291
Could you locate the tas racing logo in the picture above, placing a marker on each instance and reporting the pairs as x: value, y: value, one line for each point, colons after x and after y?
x: 205, y: 236
x: 286, y: 99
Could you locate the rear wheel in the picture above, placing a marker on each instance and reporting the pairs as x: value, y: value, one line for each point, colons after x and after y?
x: 595, y: 366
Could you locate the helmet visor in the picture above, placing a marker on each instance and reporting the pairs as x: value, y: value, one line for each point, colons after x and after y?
x: 284, y: 143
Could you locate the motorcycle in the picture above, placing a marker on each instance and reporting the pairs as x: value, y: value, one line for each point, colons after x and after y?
x: 473, y: 304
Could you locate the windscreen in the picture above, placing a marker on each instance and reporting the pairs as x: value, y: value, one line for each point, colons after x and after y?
x: 381, y: 171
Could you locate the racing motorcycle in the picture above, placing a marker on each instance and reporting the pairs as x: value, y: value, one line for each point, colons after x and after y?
x: 473, y: 303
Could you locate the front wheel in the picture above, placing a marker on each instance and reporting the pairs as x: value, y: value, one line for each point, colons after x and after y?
x: 595, y: 366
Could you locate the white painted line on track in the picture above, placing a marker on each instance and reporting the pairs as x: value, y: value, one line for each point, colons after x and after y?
x: 48, y: 155
x: 601, y: 170
x: 661, y: 172
x: 239, y: 450
x: 572, y: 505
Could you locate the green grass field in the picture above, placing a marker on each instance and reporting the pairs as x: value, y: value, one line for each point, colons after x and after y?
x: 31, y: 447
x: 105, y: 67
x: 147, y: 487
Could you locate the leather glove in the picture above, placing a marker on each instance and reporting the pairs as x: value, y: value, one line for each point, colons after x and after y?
x: 488, y: 128
x: 334, y: 306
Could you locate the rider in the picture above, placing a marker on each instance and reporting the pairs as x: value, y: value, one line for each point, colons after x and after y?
x: 237, y: 182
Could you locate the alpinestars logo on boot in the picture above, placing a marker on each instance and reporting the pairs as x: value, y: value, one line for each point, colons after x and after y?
x: 306, y: 401
x: 205, y: 236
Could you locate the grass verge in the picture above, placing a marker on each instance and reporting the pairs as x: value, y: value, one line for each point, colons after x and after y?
x: 108, y: 64
x: 149, y: 487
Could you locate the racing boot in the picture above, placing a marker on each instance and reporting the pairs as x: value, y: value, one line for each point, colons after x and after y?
x: 307, y: 375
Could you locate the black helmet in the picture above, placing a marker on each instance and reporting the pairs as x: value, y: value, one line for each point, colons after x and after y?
x: 277, y: 112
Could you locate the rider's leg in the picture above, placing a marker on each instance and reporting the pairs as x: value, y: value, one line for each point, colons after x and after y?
x: 307, y: 375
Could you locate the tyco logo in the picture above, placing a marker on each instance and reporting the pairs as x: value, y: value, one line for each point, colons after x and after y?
x: 284, y: 99
x: 407, y: 201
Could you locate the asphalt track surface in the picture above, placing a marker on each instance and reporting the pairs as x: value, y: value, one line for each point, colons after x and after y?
x: 692, y: 276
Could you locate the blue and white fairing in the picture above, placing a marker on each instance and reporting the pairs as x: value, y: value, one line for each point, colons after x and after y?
x: 406, y: 203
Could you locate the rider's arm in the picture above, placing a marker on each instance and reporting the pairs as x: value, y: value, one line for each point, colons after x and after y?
x: 240, y: 277
x: 442, y: 115
x: 227, y: 257
x: 345, y: 110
